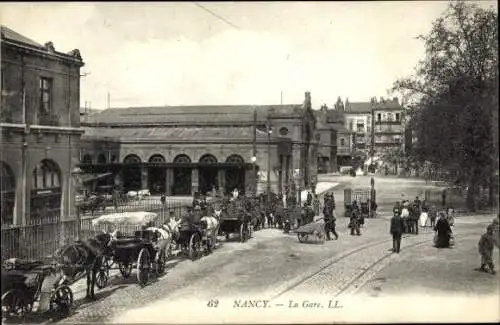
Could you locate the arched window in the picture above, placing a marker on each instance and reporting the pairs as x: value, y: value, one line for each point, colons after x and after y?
x: 157, y: 159
x: 132, y: 159
x: 235, y: 159
x: 87, y: 159
x: 45, y: 198
x: 208, y: 159
x: 46, y: 175
x: 342, y: 141
x: 101, y: 159
x: 182, y: 159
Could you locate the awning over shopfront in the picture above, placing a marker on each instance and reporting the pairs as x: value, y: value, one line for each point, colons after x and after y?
x: 87, y: 178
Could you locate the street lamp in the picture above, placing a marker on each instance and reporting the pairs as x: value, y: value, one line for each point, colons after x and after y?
x: 269, y: 132
x: 76, y: 175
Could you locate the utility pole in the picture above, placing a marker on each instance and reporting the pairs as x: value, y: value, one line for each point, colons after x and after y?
x: 269, y: 131
x: 254, y: 156
x: 25, y: 151
x: 372, y: 151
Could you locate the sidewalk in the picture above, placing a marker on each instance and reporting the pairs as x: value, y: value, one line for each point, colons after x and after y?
x: 439, y: 271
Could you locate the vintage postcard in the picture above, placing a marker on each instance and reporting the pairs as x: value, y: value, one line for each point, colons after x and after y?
x: 249, y: 162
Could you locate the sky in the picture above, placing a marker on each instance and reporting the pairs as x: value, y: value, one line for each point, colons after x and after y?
x: 232, y: 53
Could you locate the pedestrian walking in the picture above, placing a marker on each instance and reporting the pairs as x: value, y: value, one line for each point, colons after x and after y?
x: 396, y: 230
x: 330, y: 218
x: 354, y: 220
x: 443, y: 232
x: 316, y: 204
x: 486, y: 245
x: 332, y: 227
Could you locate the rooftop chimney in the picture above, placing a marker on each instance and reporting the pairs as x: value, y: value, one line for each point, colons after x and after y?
x: 50, y: 47
x: 307, y: 101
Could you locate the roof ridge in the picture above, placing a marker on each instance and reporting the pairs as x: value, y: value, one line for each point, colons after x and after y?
x: 17, y: 36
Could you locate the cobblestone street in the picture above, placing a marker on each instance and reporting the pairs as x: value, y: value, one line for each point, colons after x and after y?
x: 276, y: 266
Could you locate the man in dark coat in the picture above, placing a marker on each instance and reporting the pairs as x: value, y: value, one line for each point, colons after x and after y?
x: 354, y: 220
x: 309, y: 198
x: 330, y: 219
x: 396, y: 230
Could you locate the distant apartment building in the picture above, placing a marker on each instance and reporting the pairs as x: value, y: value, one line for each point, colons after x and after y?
x: 388, y: 125
x: 376, y: 125
x: 335, y: 142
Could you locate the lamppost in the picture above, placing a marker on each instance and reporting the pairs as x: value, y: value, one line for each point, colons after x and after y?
x: 254, y: 170
x: 76, y: 175
x: 269, y: 132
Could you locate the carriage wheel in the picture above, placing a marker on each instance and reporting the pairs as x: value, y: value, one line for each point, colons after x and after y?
x: 61, y: 300
x: 243, y: 233
x: 125, y: 269
x: 102, y: 278
x: 194, y: 246
x: 14, y: 304
x: 161, y: 259
x: 143, y: 267
x: 302, y: 236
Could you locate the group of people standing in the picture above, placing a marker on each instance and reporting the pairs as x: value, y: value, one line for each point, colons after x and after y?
x: 405, y: 220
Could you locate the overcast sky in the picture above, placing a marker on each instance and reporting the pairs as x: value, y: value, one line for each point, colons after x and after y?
x: 148, y: 54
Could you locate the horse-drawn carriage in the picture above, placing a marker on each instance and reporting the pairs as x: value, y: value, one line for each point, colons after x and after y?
x: 23, y: 286
x: 194, y: 237
x: 236, y: 220
x: 142, y: 250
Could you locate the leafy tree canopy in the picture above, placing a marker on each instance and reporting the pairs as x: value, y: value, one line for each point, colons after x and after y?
x: 454, y: 115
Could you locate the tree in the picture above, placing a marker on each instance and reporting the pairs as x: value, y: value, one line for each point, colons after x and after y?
x: 455, y: 96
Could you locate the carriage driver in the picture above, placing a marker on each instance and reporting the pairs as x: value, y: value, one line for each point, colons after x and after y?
x: 193, y: 218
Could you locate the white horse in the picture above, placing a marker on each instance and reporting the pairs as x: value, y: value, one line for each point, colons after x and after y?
x: 132, y: 194
x: 212, y: 228
x: 167, y: 234
x: 144, y: 193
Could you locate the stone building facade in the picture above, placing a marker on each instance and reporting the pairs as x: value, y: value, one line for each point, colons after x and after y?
x: 187, y: 149
x: 40, y: 132
x: 377, y: 124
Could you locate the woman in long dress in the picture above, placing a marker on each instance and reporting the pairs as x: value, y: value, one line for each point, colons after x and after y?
x: 443, y: 229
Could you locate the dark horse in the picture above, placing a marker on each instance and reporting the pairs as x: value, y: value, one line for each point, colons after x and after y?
x: 84, y: 256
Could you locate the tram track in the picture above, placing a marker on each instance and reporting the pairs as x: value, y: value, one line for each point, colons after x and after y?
x: 353, y: 283
x: 357, y: 281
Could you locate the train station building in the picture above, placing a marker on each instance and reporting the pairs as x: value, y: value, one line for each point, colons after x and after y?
x: 181, y: 150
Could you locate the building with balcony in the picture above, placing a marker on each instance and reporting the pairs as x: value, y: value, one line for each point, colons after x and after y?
x: 182, y: 150
x: 377, y: 123
x: 40, y: 129
x: 358, y: 120
x: 388, y: 123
